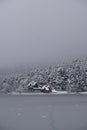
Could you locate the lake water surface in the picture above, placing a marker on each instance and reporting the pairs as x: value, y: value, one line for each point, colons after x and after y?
x: 43, y: 112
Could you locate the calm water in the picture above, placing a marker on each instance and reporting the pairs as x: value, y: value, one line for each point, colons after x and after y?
x: 43, y: 112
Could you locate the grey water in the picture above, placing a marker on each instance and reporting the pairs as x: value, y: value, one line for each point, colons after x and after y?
x: 43, y: 112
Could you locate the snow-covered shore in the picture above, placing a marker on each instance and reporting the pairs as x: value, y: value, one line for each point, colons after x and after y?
x: 53, y: 93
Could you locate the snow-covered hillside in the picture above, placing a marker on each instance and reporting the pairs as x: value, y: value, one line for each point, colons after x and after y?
x: 70, y: 77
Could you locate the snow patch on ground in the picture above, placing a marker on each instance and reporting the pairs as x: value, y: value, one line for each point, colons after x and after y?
x: 17, y: 93
x: 53, y: 92
x: 83, y: 93
x: 59, y: 92
x: 14, y: 93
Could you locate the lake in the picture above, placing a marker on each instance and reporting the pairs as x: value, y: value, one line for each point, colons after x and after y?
x: 43, y: 112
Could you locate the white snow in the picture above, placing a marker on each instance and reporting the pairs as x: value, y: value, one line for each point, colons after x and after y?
x: 53, y: 92
x: 14, y: 93
x: 62, y: 92
x: 59, y: 92
x: 83, y: 93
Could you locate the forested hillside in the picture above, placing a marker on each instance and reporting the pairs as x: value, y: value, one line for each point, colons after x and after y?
x: 71, y: 77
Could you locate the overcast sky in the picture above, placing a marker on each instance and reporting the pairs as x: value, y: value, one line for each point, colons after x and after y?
x: 35, y: 31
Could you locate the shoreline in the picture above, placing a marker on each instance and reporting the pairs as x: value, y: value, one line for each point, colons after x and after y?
x: 56, y: 93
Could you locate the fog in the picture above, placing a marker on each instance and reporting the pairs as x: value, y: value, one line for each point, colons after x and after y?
x: 39, y: 31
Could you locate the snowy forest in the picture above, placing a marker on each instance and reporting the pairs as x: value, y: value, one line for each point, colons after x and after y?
x: 71, y: 77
